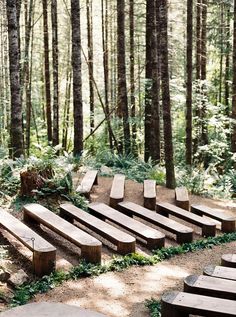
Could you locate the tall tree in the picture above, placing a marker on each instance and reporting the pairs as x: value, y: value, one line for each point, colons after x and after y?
x: 122, y: 85
x: 165, y: 86
x: 14, y: 66
x: 47, y: 71
x: 77, y: 80
x: 55, y: 136
x: 233, y: 138
x: 189, y: 72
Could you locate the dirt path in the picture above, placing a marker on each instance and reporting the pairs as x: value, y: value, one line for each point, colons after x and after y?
x: 123, y: 294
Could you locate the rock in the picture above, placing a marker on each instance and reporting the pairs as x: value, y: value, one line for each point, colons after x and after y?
x: 4, y: 276
x: 106, y: 170
x: 18, y: 278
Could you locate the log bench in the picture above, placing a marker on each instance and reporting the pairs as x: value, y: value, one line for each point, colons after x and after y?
x: 36, y: 214
x: 227, y: 222
x: 117, y: 190
x: 183, y: 233
x: 208, y: 226
x: 149, y: 194
x: 227, y: 273
x: 210, y: 286
x: 180, y: 304
x: 229, y: 260
x: 125, y: 243
x: 89, y: 179
x: 182, y: 198
x: 152, y: 237
x: 44, y: 254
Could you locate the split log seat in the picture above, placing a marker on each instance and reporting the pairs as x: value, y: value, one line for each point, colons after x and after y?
x: 149, y: 194
x: 208, y: 226
x: 117, y: 190
x: 210, y: 286
x: 125, y: 243
x: 89, y: 179
x: 224, y: 272
x: 182, y: 198
x: 180, y: 304
x: 90, y: 247
x: 228, y: 260
x: 183, y: 233
x: 152, y: 237
x: 227, y: 222
x: 44, y: 254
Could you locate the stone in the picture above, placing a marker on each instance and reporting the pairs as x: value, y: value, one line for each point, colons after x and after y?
x: 106, y: 170
x: 18, y: 278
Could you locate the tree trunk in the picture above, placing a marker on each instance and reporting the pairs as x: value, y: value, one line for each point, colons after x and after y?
x: 47, y: 71
x: 227, y: 65
x: 168, y: 146
x: 189, y: 72
x: 55, y: 137
x: 122, y: 86
x: 77, y: 80
x: 233, y: 138
x: 14, y: 66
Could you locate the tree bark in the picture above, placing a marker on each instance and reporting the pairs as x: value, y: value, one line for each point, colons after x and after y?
x: 14, y: 66
x: 77, y: 80
x: 233, y: 137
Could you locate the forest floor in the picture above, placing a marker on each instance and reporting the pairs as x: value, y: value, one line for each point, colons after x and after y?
x: 122, y: 294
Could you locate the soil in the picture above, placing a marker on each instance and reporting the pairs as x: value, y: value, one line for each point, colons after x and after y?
x: 123, y: 294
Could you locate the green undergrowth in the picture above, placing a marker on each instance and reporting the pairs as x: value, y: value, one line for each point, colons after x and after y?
x: 25, y: 292
x: 154, y: 307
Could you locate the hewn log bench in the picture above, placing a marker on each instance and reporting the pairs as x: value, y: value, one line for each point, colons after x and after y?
x: 224, y: 272
x: 227, y: 222
x: 210, y: 286
x: 90, y: 247
x: 208, y: 226
x: 152, y: 237
x: 179, y: 304
x: 44, y: 254
x: 182, y: 198
x: 183, y: 233
x: 149, y: 194
x: 229, y: 260
x: 117, y: 190
x: 125, y: 243
x: 45, y: 309
x: 89, y: 179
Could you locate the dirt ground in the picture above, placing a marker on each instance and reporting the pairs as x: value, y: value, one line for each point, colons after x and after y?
x: 123, y: 294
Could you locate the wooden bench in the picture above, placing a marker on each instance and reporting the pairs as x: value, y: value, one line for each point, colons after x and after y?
x: 152, y: 237
x: 90, y: 247
x: 125, y: 243
x: 229, y: 260
x: 44, y: 254
x: 210, y: 286
x: 117, y: 190
x: 51, y: 309
x: 89, y: 179
x: 149, y: 194
x: 182, y: 198
x: 227, y: 273
x: 208, y: 226
x: 183, y: 233
x: 179, y: 304
x: 227, y: 222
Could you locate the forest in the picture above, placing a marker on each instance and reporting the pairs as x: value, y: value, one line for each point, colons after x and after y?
x: 146, y: 84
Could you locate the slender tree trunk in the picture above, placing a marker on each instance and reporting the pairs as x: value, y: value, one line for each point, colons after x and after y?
x: 189, y: 72
x: 55, y: 137
x: 132, y: 81
x: 168, y: 146
x: 47, y: 71
x: 122, y: 86
x: 222, y: 22
x: 233, y: 138
x: 77, y: 80
x: 227, y: 65
x: 14, y: 66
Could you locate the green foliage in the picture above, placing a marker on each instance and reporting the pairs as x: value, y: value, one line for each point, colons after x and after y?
x: 154, y: 306
x: 25, y: 292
